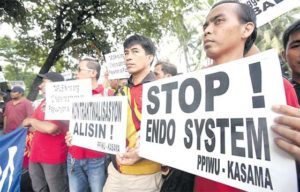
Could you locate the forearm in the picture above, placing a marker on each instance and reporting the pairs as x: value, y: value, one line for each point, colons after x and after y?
x: 44, y: 126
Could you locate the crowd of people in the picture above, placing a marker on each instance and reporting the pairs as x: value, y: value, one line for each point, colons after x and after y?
x: 229, y: 34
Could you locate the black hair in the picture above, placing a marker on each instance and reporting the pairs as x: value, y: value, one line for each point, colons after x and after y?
x: 92, y: 63
x: 295, y: 27
x: 145, y: 42
x: 167, y: 67
x: 246, y: 14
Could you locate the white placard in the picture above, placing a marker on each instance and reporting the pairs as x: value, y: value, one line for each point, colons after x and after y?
x: 267, y: 10
x: 116, y: 65
x: 100, y: 123
x: 215, y: 123
x: 59, y: 95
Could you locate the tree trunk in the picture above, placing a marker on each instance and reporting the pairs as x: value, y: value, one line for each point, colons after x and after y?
x: 50, y: 61
x: 185, y: 50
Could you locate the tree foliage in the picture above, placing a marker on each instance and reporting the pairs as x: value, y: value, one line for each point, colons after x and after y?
x: 63, y: 28
x: 17, y: 67
x: 12, y: 11
x: 56, y: 30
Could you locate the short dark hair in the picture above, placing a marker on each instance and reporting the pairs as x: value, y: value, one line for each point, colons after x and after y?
x: 92, y: 63
x: 246, y: 14
x: 167, y: 68
x: 145, y: 42
x: 295, y: 27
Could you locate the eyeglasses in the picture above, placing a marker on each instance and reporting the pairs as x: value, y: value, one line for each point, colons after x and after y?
x: 84, y: 69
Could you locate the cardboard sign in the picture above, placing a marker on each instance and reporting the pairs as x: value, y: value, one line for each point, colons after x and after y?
x: 267, y: 10
x: 215, y: 123
x: 100, y: 123
x: 116, y: 65
x: 60, y: 94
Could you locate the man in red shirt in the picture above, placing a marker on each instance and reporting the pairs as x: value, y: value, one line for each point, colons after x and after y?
x: 86, y: 168
x: 16, y: 110
x: 238, y: 20
x: 47, y: 162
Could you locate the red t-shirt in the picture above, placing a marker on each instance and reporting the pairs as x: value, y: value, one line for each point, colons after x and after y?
x: 47, y: 148
x: 206, y: 185
x: 15, y: 114
x: 27, y: 149
x: 83, y: 153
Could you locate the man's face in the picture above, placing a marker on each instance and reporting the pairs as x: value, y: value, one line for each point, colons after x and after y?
x: 159, y: 74
x: 136, y: 59
x: 15, y: 95
x: 83, y: 72
x: 42, y: 86
x: 292, y: 52
x: 222, y: 31
x: 114, y: 83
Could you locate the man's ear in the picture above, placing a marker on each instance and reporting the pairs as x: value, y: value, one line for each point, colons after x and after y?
x: 283, y: 56
x: 248, y: 29
x: 150, y: 58
x: 94, y: 73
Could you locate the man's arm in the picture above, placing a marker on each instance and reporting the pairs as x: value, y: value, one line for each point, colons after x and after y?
x: 41, y: 126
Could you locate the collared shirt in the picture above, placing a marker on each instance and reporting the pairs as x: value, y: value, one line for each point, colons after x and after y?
x: 150, y: 77
x: 16, y: 113
x: 48, y: 148
x: 134, y: 115
x: 297, y: 88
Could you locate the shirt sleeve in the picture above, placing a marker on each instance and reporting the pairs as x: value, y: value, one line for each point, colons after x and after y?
x: 290, y: 94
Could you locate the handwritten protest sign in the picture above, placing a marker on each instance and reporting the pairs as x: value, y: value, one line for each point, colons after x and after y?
x: 116, y: 65
x: 215, y: 123
x: 99, y: 123
x: 60, y: 94
x: 267, y: 10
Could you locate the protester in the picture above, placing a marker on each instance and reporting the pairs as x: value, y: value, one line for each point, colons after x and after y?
x: 116, y: 84
x: 291, y: 53
x: 238, y: 20
x: 47, y: 162
x: 86, y: 168
x: 128, y: 171
x: 164, y: 69
x: 17, y: 109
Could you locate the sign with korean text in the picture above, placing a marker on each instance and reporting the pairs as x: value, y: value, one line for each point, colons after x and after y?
x: 60, y: 94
